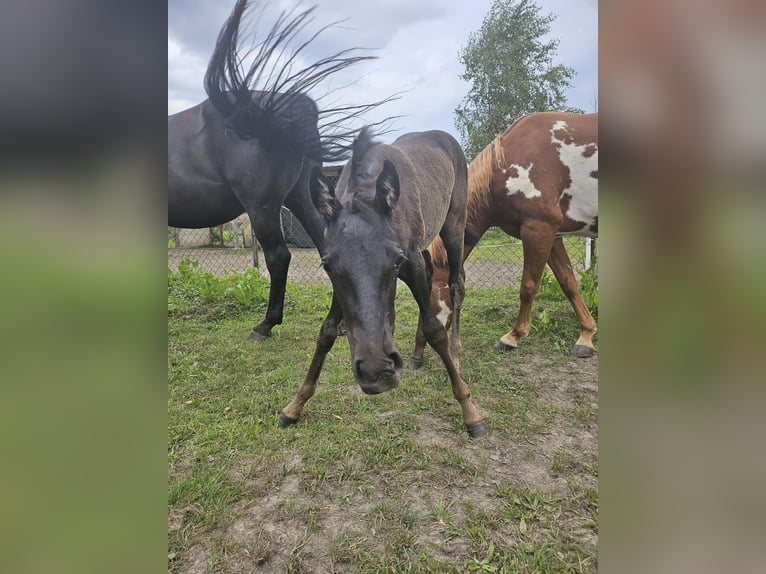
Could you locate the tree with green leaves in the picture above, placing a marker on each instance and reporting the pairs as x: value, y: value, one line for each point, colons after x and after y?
x: 511, y: 73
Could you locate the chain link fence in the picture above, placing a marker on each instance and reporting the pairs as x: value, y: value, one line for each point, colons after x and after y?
x: 497, y: 260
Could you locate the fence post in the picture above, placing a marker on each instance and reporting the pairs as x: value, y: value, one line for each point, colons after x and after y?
x: 588, y: 252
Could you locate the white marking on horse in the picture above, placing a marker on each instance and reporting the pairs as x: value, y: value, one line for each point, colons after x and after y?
x: 444, y: 312
x: 582, y: 161
x: 522, y: 182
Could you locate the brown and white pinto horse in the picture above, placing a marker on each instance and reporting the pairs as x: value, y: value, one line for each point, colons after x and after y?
x: 537, y: 181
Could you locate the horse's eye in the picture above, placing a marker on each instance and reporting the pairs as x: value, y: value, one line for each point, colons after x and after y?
x: 323, y: 263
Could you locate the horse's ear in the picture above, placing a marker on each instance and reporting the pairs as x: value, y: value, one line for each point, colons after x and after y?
x: 387, y: 187
x: 322, y: 194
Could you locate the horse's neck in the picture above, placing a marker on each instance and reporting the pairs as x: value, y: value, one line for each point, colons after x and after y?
x: 479, y: 218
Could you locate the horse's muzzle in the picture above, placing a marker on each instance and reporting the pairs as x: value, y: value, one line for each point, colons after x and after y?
x: 385, y: 382
x: 376, y: 377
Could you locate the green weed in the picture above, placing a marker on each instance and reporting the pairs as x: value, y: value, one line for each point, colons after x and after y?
x: 589, y: 290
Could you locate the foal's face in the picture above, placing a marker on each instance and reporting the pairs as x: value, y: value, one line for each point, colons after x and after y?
x: 362, y: 258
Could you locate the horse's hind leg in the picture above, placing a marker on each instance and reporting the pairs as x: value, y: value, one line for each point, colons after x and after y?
x: 268, y: 232
x: 537, y: 241
x: 562, y: 268
x: 438, y: 305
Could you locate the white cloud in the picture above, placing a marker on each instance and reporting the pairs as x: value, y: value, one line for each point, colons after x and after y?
x: 417, y: 47
x: 185, y: 73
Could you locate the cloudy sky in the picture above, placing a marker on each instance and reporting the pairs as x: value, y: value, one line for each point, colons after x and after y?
x: 416, y: 42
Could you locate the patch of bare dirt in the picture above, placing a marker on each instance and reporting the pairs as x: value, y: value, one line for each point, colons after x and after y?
x: 282, y: 529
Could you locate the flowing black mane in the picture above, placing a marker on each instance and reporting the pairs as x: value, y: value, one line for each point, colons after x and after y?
x: 268, y: 99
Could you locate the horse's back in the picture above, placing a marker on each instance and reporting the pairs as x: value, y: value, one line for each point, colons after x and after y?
x: 436, y: 177
x: 585, y: 125
x: 214, y: 173
x: 203, y: 122
x: 198, y: 196
x: 551, y: 161
x: 432, y: 150
x: 436, y: 139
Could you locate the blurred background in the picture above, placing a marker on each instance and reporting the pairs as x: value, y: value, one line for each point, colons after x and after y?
x: 82, y: 211
x: 683, y: 269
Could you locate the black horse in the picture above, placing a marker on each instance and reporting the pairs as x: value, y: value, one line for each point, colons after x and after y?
x: 392, y: 200
x: 252, y: 151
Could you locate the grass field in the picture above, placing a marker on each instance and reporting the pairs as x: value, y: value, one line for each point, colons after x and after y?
x: 389, y: 483
x: 496, y: 245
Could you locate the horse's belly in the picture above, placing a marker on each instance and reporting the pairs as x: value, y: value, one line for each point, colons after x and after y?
x: 434, y: 208
x: 579, y: 202
x: 580, y: 209
x: 197, y: 205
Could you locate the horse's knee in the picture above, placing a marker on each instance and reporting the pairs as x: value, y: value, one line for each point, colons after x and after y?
x: 277, y: 258
x: 435, y: 333
x: 527, y: 290
x: 328, y: 333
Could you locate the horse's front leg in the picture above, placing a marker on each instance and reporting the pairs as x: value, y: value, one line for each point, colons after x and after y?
x: 298, y: 201
x: 414, y: 274
x: 328, y: 333
x: 268, y: 232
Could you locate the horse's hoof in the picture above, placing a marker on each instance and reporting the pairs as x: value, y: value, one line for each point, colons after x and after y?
x: 582, y: 351
x: 256, y: 336
x: 415, y: 364
x: 500, y: 346
x: 283, y: 422
x: 477, y: 430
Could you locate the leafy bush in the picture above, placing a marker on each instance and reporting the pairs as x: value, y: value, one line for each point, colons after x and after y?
x: 588, y: 286
x: 589, y: 289
x: 549, y: 285
x: 191, y: 283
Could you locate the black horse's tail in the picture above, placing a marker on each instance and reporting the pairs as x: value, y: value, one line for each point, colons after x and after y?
x: 269, y: 100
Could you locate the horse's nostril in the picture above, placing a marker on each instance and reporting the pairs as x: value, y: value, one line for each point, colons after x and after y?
x: 396, y: 360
